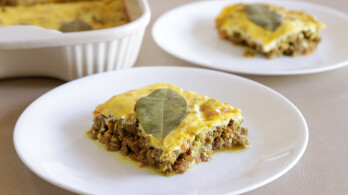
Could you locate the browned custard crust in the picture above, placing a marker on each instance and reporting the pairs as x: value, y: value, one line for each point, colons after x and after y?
x: 182, y: 148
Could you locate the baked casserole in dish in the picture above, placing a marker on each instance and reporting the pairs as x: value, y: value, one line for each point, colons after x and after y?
x: 70, y: 39
x: 65, y: 16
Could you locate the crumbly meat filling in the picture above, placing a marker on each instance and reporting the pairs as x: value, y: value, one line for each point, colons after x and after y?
x: 123, y: 135
x: 302, y: 43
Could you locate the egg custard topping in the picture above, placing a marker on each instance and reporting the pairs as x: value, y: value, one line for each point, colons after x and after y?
x: 163, y: 125
x: 269, y: 29
x: 67, y: 16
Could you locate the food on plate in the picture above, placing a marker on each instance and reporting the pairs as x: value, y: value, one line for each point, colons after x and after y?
x: 66, y: 16
x: 165, y: 127
x: 269, y: 29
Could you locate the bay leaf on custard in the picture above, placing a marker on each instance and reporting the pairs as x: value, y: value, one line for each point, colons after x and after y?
x: 75, y: 26
x: 161, y: 112
x: 263, y: 16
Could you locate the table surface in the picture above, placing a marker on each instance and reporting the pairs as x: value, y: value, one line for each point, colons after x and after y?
x: 321, y: 97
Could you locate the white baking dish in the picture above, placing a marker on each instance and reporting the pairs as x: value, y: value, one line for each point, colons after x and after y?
x: 36, y: 51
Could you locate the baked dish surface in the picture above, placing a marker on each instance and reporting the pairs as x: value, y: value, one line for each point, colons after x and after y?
x: 268, y: 29
x: 66, y: 16
x: 165, y: 127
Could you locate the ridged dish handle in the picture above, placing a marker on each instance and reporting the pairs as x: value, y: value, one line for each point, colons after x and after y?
x: 17, y: 37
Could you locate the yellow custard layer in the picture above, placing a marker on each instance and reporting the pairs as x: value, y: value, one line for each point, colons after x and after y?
x: 234, y: 19
x: 99, y: 14
x: 203, y: 114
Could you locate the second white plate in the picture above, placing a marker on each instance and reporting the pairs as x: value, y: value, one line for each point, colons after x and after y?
x: 50, y: 136
x: 188, y: 32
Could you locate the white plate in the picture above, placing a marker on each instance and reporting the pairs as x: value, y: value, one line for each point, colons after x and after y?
x: 50, y: 137
x: 188, y: 32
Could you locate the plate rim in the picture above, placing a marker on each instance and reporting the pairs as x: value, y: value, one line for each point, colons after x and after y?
x: 247, y: 188
x: 328, y: 67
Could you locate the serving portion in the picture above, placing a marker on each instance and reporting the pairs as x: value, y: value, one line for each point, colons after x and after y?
x: 196, y: 39
x: 268, y: 29
x: 56, y: 148
x: 168, y: 128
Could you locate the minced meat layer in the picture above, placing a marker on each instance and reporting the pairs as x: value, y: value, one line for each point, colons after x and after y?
x: 123, y: 135
x: 301, y: 43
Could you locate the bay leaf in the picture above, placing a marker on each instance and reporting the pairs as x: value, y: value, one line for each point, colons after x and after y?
x: 161, y: 112
x: 263, y: 16
x: 75, y: 26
